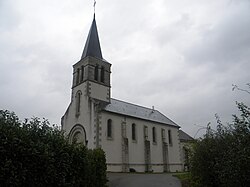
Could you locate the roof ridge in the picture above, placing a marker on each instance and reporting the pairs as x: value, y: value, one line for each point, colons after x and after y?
x: 185, y: 136
x: 137, y: 111
x: 167, y: 117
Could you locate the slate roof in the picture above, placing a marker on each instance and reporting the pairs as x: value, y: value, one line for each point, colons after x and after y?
x: 184, y: 136
x: 132, y: 110
x: 92, y: 46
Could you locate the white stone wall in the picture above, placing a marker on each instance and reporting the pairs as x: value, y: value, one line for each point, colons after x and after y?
x: 84, y: 118
x: 174, y: 151
x: 98, y: 91
x: 113, y: 147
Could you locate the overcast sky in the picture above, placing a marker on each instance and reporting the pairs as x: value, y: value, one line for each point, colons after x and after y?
x: 179, y: 56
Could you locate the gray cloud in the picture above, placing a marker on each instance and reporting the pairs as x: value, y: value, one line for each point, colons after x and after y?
x: 228, y: 41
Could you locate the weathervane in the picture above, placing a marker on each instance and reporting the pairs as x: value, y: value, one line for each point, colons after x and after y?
x: 94, y: 6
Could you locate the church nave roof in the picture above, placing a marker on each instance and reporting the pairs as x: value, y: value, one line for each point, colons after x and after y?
x: 129, y: 109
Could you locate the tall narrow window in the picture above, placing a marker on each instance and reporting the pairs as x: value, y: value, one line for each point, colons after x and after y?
x: 154, y: 134
x: 77, y: 75
x: 146, y: 132
x: 78, y: 102
x: 102, y: 74
x: 96, y: 73
x: 170, y: 137
x: 133, y: 132
x: 109, y: 128
x: 163, y: 135
x: 82, y: 73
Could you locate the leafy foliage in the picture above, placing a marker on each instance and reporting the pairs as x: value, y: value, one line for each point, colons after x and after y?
x: 187, y: 155
x: 222, y: 157
x: 33, y: 153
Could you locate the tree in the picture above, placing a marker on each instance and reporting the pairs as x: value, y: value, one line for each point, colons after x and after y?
x: 221, y: 158
x: 247, y: 90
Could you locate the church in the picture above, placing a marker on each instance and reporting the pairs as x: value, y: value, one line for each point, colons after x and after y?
x: 134, y: 138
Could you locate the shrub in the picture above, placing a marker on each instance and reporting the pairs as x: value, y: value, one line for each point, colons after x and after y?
x: 221, y: 158
x: 33, y: 153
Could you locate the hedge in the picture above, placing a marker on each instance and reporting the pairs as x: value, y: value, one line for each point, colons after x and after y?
x: 32, y: 153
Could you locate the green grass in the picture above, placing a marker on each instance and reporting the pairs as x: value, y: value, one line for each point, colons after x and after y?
x: 184, y: 177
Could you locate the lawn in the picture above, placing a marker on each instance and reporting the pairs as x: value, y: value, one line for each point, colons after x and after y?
x: 184, y: 177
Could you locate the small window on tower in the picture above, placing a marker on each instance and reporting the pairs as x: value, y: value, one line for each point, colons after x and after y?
x: 77, y: 75
x: 82, y: 73
x: 109, y: 129
x: 96, y: 73
x: 102, y: 74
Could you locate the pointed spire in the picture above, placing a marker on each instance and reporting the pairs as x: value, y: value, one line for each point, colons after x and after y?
x: 92, y: 45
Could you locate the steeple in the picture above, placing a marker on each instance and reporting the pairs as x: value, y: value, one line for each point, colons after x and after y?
x: 92, y: 46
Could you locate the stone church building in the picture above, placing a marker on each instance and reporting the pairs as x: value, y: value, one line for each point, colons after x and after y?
x: 133, y: 137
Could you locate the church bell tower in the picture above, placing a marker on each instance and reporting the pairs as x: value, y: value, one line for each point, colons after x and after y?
x: 90, y: 92
x: 93, y: 69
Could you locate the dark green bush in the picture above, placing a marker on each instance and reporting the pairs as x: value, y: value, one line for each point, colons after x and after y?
x: 33, y: 153
x: 222, y: 157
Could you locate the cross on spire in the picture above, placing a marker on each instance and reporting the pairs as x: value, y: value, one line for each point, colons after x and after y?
x: 94, y: 6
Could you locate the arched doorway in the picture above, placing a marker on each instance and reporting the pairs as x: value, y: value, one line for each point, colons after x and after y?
x: 78, y: 134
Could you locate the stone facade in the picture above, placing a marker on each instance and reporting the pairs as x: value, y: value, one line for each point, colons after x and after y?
x: 133, y: 137
x: 137, y: 156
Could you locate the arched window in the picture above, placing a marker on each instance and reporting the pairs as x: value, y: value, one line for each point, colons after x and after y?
x: 163, y: 135
x: 146, y: 132
x: 154, y: 134
x: 133, y: 132
x: 170, y: 138
x: 96, y: 73
x: 78, y: 134
x: 78, y: 102
x: 109, y: 128
x: 102, y: 74
x: 82, y: 73
x: 77, y: 75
